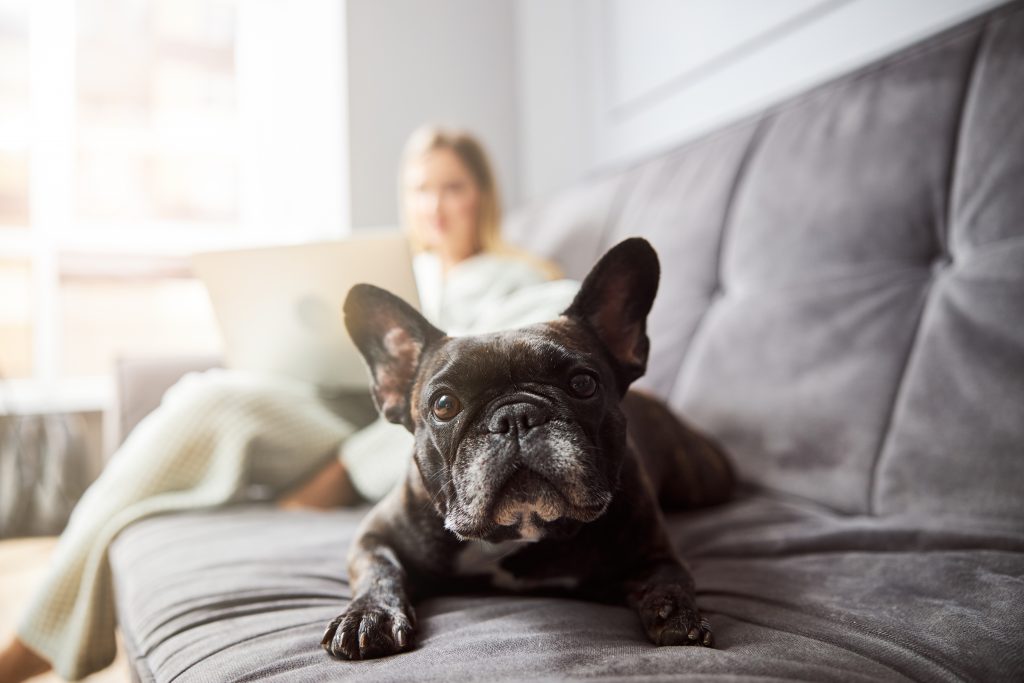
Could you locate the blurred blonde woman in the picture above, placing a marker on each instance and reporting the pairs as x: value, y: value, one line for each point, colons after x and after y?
x: 451, y: 210
x: 469, y: 281
x: 283, y: 438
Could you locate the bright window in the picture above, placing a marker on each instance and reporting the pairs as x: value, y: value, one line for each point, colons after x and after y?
x: 133, y: 133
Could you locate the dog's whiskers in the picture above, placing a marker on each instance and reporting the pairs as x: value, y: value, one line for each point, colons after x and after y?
x: 440, y: 490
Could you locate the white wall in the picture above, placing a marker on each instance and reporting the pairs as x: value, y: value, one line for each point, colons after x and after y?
x: 560, y: 88
x: 291, y: 73
x: 604, y: 81
x: 553, y: 64
x: 410, y: 62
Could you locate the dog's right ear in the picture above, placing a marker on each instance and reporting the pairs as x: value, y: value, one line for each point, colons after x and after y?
x: 614, y: 301
x: 391, y: 335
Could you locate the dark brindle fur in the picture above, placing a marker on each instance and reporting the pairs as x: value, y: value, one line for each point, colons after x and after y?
x: 539, y: 450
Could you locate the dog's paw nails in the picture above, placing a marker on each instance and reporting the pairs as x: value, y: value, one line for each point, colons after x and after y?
x: 402, y: 635
x: 367, y: 630
x: 670, y: 618
x: 701, y: 635
x: 683, y: 628
x: 332, y: 628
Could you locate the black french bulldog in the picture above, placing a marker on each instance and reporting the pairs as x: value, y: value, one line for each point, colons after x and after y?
x: 524, y: 474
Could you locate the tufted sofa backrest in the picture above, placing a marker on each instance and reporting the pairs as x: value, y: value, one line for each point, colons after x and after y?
x: 842, y: 296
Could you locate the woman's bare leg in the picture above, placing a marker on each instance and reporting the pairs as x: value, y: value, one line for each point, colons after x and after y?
x: 330, y: 487
x: 19, y: 663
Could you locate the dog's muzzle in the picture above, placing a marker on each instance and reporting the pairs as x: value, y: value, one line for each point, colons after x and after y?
x: 526, y: 503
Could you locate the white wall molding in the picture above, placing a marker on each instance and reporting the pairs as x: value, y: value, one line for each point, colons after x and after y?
x: 637, y: 76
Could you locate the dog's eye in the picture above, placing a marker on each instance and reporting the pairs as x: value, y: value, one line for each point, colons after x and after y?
x: 583, y: 385
x: 446, y: 407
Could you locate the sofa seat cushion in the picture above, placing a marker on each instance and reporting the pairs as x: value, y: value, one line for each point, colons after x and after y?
x: 792, y: 591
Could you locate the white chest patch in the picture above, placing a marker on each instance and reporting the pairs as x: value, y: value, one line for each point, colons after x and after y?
x: 483, y: 558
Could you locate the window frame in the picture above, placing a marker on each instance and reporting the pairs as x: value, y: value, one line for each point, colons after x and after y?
x: 54, y: 227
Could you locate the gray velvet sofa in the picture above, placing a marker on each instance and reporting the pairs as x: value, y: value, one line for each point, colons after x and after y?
x: 842, y: 305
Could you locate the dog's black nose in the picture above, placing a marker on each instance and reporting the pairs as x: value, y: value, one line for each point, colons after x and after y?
x: 516, y: 418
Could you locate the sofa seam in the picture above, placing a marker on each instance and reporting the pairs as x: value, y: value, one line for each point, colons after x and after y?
x: 742, y: 168
x: 967, y: 99
x: 942, y: 231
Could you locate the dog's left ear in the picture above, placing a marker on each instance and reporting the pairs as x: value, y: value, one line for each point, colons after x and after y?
x: 614, y: 301
x: 392, y: 336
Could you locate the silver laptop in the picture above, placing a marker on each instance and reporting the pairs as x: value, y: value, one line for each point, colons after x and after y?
x: 280, y: 308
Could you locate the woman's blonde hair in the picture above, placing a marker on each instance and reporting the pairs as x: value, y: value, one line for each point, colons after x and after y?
x: 471, y: 153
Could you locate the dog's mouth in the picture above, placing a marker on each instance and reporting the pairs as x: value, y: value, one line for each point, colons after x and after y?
x: 528, y: 507
x: 527, y: 503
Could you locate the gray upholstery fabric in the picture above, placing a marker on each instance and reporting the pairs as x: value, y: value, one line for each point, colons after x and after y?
x: 843, y: 280
x: 842, y: 304
x: 956, y: 446
x: 793, y: 592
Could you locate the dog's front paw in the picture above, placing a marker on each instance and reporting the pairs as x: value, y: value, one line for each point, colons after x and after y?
x: 670, y: 617
x: 369, y: 628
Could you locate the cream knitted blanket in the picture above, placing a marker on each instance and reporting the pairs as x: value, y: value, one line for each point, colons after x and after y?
x: 218, y: 437
x: 225, y: 436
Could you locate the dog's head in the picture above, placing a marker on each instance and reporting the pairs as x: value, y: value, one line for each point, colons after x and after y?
x: 519, y: 434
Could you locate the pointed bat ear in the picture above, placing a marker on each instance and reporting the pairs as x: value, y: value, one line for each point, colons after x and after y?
x: 392, y: 336
x: 614, y: 301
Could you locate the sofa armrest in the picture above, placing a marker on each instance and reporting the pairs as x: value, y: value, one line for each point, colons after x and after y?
x: 142, y: 382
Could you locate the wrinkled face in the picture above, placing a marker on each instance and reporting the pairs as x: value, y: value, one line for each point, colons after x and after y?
x: 519, y: 434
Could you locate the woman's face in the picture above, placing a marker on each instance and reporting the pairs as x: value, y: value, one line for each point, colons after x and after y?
x: 444, y: 203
